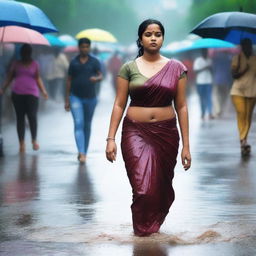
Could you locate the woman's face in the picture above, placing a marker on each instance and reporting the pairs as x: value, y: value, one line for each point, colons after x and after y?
x: 152, y: 38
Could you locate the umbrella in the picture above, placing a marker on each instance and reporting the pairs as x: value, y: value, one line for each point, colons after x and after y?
x: 68, y: 40
x: 54, y: 40
x: 207, y: 43
x: 176, y: 46
x: 222, y: 26
x: 24, y: 15
x: 96, y: 34
x: 201, y: 43
x: 16, y: 34
x: 71, y: 49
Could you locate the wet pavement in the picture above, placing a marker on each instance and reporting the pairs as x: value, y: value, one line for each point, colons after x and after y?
x: 51, y: 205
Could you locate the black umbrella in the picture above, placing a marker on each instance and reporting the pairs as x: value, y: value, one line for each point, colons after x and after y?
x: 228, y: 26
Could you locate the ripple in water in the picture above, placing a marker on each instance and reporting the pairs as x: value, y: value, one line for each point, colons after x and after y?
x: 219, y: 232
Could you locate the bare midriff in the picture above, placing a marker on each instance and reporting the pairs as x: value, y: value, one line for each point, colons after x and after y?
x: 148, y: 114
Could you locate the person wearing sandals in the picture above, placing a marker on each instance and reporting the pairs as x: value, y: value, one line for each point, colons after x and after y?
x: 25, y: 93
x: 81, y: 94
x: 243, y: 91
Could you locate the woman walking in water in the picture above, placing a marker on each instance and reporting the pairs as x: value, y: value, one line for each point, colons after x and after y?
x: 150, y: 138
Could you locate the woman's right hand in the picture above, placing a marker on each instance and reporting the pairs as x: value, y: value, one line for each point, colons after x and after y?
x: 111, y: 150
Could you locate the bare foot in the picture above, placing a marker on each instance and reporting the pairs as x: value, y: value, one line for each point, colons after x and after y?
x: 35, y: 145
x: 81, y: 158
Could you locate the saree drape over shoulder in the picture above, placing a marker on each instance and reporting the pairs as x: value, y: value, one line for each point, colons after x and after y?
x: 150, y: 149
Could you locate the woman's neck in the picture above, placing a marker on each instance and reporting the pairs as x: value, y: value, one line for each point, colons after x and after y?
x: 26, y: 61
x: 151, y: 57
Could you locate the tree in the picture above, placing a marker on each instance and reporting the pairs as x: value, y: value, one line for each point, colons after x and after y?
x: 72, y: 16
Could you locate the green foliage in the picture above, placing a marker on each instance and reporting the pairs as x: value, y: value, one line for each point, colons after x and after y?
x: 72, y: 16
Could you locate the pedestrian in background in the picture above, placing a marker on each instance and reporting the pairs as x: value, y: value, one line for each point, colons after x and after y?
x: 25, y: 93
x: 202, y: 66
x: 114, y: 65
x: 243, y: 91
x: 150, y: 138
x: 59, y: 74
x: 81, y: 94
x: 222, y: 80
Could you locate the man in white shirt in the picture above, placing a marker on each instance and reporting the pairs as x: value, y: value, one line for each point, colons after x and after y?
x: 202, y: 67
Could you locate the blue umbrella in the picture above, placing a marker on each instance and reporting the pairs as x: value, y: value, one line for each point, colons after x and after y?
x: 228, y: 26
x: 54, y: 40
x: 24, y: 15
x: 207, y: 43
x: 68, y: 40
x: 235, y: 36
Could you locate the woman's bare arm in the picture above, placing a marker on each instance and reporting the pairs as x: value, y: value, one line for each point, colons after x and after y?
x: 41, y: 86
x: 116, y: 116
x: 182, y: 112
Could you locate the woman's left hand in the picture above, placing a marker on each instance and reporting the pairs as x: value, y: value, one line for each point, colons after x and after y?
x: 45, y: 95
x: 186, y: 158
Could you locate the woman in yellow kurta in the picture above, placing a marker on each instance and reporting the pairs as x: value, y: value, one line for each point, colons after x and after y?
x: 243, y: 91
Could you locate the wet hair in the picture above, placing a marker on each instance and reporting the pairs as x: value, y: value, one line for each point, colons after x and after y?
x: 26, y: 52
x: 84, y: 40
x: 142, y: 27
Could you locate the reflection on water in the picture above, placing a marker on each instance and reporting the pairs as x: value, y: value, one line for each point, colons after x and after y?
x: 18, y: 188
x: 83, y: 193
x: 85, y: 210
x: 25, y: 186
x: 153, y: 249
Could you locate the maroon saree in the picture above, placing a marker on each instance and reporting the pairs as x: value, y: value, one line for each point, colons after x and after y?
x: 150, y: 150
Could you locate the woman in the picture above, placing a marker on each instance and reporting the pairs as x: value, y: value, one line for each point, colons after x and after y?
x: 243, y: 91
x: 25, y: 94
x: 150, y: 138
x: 81, y: 94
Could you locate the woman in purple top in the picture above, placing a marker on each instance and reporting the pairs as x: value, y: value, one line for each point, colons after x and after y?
x: 150, y: 138
x: 25, y: 93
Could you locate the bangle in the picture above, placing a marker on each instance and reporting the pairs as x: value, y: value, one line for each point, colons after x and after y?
x: 110, y: 138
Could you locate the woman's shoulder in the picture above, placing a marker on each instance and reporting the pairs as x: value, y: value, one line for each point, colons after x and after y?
x: 178, y: 64
x: 129, y: 63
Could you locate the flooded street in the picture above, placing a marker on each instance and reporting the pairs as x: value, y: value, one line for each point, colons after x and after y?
x: 51, y: 205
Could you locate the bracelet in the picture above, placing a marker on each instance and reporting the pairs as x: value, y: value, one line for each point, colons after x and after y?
x: 110, y: 138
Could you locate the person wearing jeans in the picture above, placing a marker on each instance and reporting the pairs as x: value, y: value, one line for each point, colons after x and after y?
x: 81, y: 95
x: 82, y: 121
x: 205, y: 94
x: 202, y: 67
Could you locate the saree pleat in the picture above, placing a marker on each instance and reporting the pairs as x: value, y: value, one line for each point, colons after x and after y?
x: 149, y: 151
